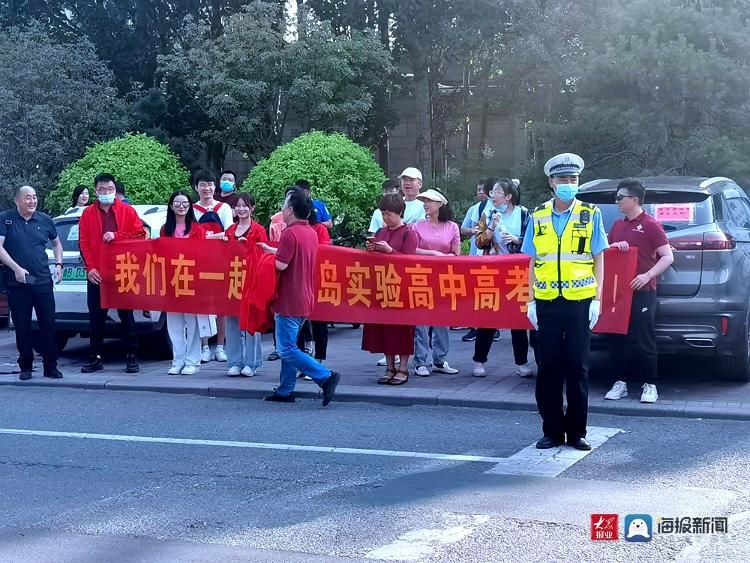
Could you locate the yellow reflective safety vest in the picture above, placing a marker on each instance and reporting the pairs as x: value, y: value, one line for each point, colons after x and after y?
x: 564, y: 265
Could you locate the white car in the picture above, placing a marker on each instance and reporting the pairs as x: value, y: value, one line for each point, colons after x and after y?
x: 71, y: 309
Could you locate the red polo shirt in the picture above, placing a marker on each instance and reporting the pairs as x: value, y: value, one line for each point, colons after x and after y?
x: 646, y: 235
x: 295, y: 292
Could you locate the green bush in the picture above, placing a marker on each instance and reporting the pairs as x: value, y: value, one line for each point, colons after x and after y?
x: 147, y: 168
x: 342, y: 174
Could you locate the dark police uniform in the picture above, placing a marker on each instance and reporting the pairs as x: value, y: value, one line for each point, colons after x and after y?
x: 25, y: 242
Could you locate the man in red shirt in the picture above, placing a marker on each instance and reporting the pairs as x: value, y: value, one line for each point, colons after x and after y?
x: 105, y: 221
x: 296, y: 260
x: 635, y: 353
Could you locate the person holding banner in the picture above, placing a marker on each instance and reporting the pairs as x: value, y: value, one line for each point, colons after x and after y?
x: 566, y: 242
x: 183, y: 328
x: 501, y: 231
x: 244, y: 352
x: 392, y: 340
x: 438, y: 236
x: 635, y: 353
x: 105, y: 221
x: 296, y: 260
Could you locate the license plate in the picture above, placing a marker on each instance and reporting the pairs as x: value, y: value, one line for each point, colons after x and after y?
x: 74, y: 273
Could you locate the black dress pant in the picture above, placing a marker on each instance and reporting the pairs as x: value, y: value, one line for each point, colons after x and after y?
x: 635, y: 354
x: 520, y: 340
x: 98, y: 318
x: 563, y: 360
x: 21, y: 301
x: 314, y: 331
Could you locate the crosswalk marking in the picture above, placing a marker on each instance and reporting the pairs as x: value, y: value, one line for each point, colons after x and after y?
x: 550, y: 463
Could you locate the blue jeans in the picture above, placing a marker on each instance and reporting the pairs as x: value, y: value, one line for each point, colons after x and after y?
x: 292, y: 358
x: 440, y: 344
x: 243, y: 349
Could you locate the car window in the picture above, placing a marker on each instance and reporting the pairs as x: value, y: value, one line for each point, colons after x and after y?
x: 739, y: 211
x: 67, y: 232
x: 674, y: 211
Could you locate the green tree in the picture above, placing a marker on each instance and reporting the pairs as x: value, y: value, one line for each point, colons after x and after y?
x: 342, y: 173
x: 250, y: 84
x: 55, y: 100
x: 147, y: 168
x: 667, y: 92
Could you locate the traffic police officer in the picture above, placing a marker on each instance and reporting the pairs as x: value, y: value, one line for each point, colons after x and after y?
x: 565, y: 240
x: 24, y: 234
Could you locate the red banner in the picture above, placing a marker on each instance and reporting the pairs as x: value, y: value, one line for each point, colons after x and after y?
x: 207, y: 276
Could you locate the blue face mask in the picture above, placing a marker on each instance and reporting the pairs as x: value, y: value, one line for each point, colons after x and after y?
x: 566, y: 192
x: 106, y: 199
x: 226, y: 186
x: 502, y: 209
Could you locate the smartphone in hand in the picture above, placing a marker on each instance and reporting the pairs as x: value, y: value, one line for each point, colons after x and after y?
x: 30, y: 279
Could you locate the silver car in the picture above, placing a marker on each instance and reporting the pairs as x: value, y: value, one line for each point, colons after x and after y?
x: 71, y: 309
x: 704, y: 297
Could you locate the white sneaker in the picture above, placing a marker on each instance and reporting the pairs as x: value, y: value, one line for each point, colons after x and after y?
x: 445, y: 368
x: 175, y: 369
x: 649, y: 394
x: 206, y: 355
x: 618, y: 391
x: 381, y: 362
x: 247, y: 371
x: 220, y: 354
x: 190, y: 370
x: 478, y: 370
x: 307, y: 378
x: 234, y: 371
x: 528, y: 369
x: 422, y: 371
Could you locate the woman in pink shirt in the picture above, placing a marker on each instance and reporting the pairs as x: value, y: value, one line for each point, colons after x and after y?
x: 438, y: 236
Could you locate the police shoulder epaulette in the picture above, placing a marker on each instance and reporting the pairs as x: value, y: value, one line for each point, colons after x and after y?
x: 588, y: 205
x: 541, y: 206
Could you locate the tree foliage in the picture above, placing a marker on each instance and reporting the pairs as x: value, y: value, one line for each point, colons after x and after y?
x: 55, y: 100
x: 342, y: 174
x: 147, y: 168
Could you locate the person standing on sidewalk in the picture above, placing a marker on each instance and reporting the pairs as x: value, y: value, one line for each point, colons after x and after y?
x: 107, y: 220
x: 296, y: 260
x: 635, y: 353
x: 244, y: 352
x: 214, y: 217
x: 566, y: 242
x: 469, y: 228
x: 24, y: 234
x: 501, y: 231
x: 438, y: 236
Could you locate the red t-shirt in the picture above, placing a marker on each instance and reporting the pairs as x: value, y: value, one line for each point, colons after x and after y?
x: 256, y: 233
x: 298, y: 248
x: 646, y: 234
x: 324, y: 237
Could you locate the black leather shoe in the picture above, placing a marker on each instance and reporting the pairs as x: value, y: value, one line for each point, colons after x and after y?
x: 548, y: 442
x: 496, y: 336
x: 53, y: 373
x: 273, y: 356
x: 24, y: 375
x: 131, y: 365
x: 280, y: 398
x: 470, y: 336
x: 94, y: 364
x: 580, y: 444
x: 329, y: 387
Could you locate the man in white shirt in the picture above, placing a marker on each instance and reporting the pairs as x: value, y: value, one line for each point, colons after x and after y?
x: 411, y: 184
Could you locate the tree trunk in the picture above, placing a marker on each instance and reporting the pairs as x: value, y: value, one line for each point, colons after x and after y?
x: 301, y: 20
x: 423, y: 118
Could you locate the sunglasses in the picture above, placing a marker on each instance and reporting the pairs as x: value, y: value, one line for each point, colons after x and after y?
x: 180, y: 204
x: 619, y: 197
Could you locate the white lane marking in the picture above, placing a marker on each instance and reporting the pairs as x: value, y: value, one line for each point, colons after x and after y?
x: 418, y: 544
x: 251, y: 445
x: 551, y: 462
x: 692, y: 551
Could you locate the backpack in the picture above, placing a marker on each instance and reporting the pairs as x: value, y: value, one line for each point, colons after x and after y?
x: 210, y: 219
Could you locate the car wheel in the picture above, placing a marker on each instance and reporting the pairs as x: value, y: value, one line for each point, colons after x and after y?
x: 355, y: 326
x: 736, y: 366
x: 61, y: 339
x: 156, y: 345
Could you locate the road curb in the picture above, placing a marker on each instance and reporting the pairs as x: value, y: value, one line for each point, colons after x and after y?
x: 396, y: 397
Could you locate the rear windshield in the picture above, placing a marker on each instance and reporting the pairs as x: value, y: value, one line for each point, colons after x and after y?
x: 674, y: 210
x: 67, y: 232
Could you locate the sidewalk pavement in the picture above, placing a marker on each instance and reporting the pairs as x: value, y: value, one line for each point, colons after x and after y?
x: 684, y: 390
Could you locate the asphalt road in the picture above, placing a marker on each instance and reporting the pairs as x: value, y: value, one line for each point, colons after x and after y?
x: 188, y: 478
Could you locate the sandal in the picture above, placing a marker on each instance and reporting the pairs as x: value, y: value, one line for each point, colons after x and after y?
x: 386, y: 379
x: 397, y: 379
